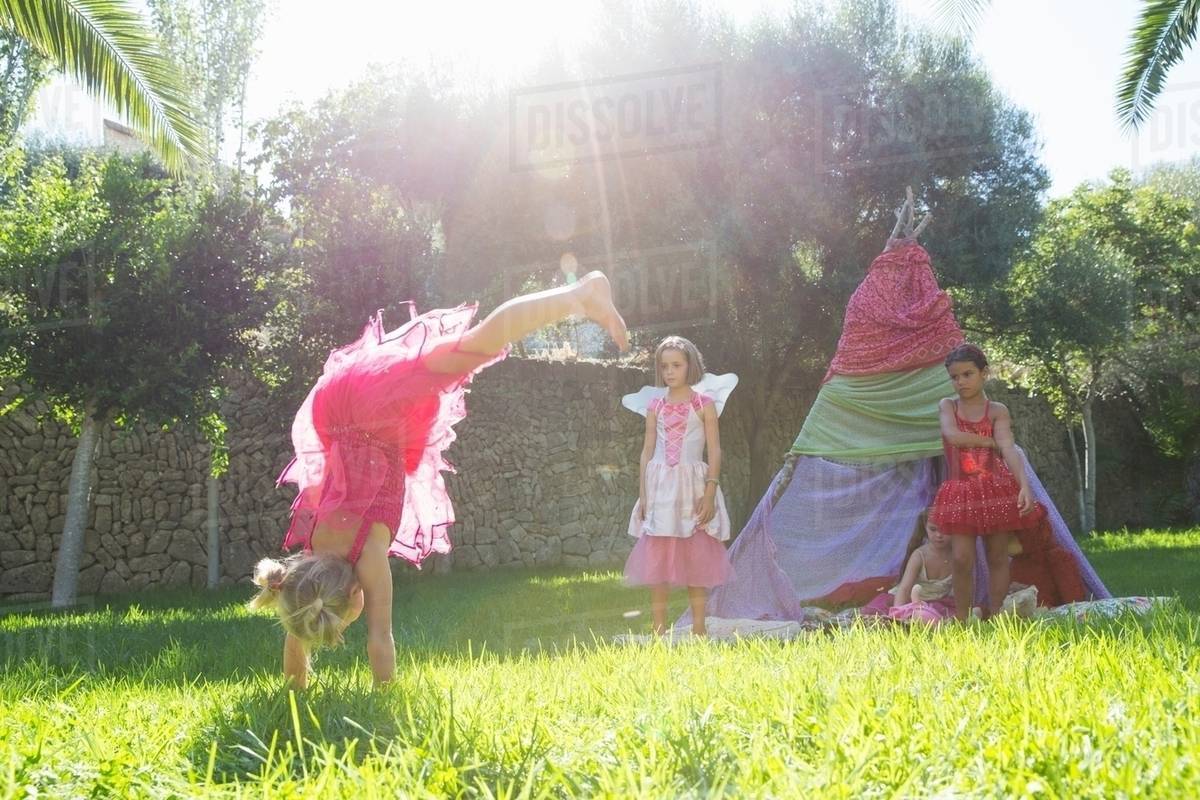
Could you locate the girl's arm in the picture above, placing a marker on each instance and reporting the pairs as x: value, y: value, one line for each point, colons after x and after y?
x: 904, y: 590
x: 376, y: 580
x: 647, y: 453
x: 706, y: 506
x: 295, y: 662
x: 1006, y: 444
x: 951, y: 432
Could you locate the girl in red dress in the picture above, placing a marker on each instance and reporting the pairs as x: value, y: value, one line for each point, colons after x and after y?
x: 369, y: 441
x: 986, y: 491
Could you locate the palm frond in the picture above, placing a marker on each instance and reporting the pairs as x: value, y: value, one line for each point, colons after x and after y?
x: 960, y: 17
x: 107, y: 47
x: 1164, y: 31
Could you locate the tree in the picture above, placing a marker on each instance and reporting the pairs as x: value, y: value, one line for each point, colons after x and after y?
x: 125, y: 295
x: 824, y: 119
x: 1105, y: 305
x: 105, y: 45
x: 22, y: 70
x: 215, y: 43
x: 365, y: 175
x: 1164, y: 32
x: 1074, y: 297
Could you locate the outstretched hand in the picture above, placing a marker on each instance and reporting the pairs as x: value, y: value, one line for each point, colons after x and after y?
x: 907, y: 229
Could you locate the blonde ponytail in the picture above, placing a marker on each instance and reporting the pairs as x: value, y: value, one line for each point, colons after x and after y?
x: 268, y: 576
x: 310, y: 592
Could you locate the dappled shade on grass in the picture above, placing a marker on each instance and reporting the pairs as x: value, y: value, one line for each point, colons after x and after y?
x: 507, y: 683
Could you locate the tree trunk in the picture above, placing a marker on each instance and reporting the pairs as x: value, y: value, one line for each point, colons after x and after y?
x: 79, y: 495
x: 214, y: 532
x: 1080, y: 494
x: 1089, y: 450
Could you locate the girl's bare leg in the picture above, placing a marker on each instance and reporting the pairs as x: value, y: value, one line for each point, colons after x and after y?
x: 658, y: 607
x: 996, y: 549
x: 590, y: 297
x: 697, y: 599
x: 963, y: 552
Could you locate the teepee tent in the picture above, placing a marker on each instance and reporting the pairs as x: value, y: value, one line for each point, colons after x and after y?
x: 835, y: 524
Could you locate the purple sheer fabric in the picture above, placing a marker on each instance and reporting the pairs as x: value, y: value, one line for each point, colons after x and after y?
x: 1062, y: 535
x: 837, y: 524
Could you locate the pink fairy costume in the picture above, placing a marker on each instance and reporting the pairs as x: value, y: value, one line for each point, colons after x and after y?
x: 370, y: 435
x: 672, y: 548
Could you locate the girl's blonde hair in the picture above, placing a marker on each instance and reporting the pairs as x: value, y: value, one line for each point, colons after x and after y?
x: 311, y: 593
x: 690, y: 352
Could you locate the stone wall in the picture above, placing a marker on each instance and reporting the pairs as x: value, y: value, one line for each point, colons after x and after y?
x: 547, y: 475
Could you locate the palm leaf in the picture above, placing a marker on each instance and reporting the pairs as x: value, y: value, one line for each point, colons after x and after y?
x: 106, y: 46
x: 960, y: 17
x: 1164, y: 32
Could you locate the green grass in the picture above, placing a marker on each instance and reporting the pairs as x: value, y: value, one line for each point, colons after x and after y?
x: 1149, y: 563
x: 507, y: 687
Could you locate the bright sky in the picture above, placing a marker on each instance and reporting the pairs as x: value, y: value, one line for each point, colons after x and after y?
x: 1058, y: 59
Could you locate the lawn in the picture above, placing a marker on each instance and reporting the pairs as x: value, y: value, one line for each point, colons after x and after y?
x: 507, y: 687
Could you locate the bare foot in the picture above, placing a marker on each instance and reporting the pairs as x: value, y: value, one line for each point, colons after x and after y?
x: 596, y: 296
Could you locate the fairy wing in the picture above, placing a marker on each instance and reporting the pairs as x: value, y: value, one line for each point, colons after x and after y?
x: 639, y: 401
x: 718, y: 387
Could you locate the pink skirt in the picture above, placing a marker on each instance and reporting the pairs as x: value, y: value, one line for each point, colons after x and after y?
x: 696, y: 560
x: 370, y: 437
x: 931, y: 611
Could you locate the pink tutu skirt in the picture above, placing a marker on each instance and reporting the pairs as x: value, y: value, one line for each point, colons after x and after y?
x: 370, y: 435
x: 696, y: 560
x: 931, y: 611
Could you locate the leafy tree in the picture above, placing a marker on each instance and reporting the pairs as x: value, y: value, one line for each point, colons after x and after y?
x: 215, y: 43
x: 824, y: 119
x: 368, y: 177
x: 1073, y: 296
x: 125, y: 295
x: 22, y: 70
x: 1104, y: 305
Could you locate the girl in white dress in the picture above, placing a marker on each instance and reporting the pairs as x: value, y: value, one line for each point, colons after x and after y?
x: 680, y: 519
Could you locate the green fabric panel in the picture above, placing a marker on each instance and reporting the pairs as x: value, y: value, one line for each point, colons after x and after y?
x: 888, y: 417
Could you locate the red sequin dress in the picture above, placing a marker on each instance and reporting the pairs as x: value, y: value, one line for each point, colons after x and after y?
x: 979, y: 495
x: 370, y: 435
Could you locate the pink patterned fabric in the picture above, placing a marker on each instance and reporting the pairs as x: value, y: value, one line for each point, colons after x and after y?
x: 674, y: 418
x: 897, y: 319
x: 370, y: 435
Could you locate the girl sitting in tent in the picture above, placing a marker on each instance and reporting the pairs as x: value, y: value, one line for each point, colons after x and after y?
x: 924, y: 590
